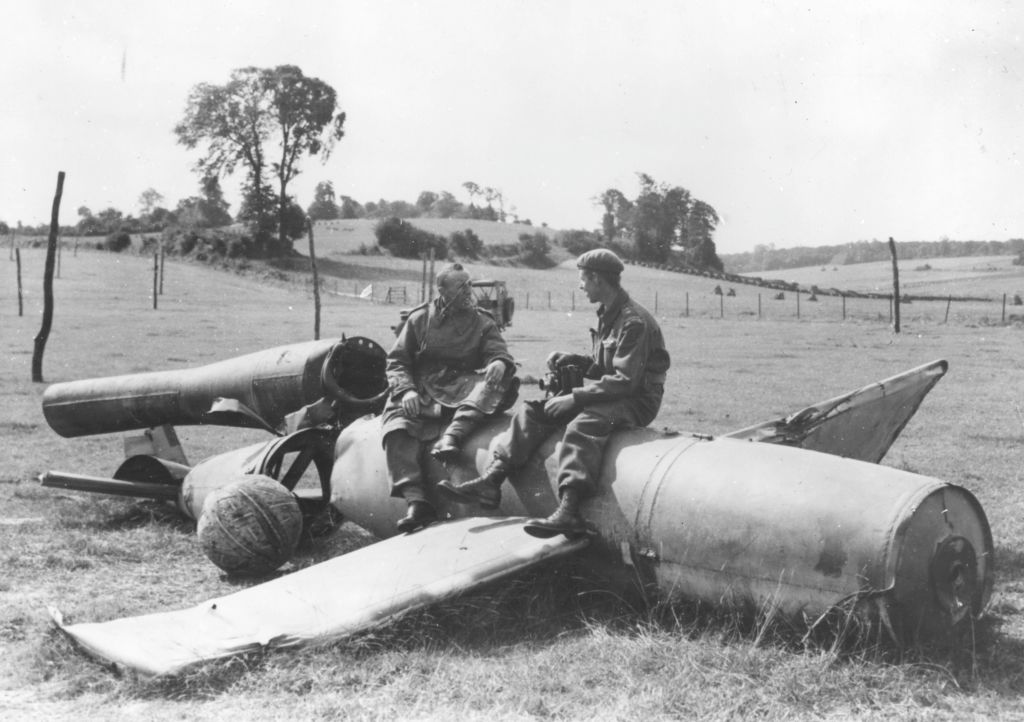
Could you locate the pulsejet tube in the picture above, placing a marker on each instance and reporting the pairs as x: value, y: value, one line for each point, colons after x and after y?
x: 255, y: 390
x: 302, y: 393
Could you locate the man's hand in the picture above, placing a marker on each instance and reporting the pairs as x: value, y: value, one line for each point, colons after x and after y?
x: 560, y: 406
x: 553, y: 358
x: 411, y: 404
x: 494, y: 372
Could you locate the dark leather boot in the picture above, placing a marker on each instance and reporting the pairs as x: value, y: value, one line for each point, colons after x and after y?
x: 419, y: 515
x: 447, y: 449
x: 484, y: 490
x: 565, y: 520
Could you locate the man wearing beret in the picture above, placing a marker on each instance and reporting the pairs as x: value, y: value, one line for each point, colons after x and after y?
x: 623, y: 386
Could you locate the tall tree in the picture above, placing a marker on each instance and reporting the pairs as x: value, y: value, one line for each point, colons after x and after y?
x: 233, y: 122
x: 236, y: 123
x: 472, y: 189
x: 661, y: 217
x: 209, y: 210
x: 149, y: 200
x: 308, y: 122
x: 425, y: 200
x: 351, y: 208
x: 617, y: 207
x: 325, y: 203
x: 445, y: 206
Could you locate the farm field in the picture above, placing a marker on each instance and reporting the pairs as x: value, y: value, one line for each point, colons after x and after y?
x: 349, y: 235
x: 968, y: 276
x: 533, y: 648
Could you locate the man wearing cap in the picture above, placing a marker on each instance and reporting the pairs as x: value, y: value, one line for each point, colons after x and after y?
x: 623, y: 386
x: 448, y: 370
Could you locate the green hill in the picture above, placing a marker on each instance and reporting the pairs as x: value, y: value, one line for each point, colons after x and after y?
x: 349, y: 235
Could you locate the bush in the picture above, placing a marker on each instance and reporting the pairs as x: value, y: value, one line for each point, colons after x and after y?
x: 466, y: 243
x: 117, y: 242
x: 579, y: 242
x: 404, y: 240
x: 534, y: 249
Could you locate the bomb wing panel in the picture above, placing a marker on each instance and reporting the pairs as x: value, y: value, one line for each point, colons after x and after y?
x: 334, y: 599
x: 862, y: 424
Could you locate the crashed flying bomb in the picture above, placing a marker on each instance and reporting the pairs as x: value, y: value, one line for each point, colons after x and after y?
x: 793, y: 515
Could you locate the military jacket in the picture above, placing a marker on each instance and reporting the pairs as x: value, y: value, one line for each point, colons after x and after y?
x: 629, y: 358
x: 440, y: 355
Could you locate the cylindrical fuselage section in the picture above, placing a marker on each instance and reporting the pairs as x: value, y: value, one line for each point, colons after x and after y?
x: 726, y: 520
x: 273, y: 383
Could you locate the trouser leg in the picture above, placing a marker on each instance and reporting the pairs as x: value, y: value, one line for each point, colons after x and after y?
x: 402, y: 453
x: 582, y: 451
x: 464, y: 422
x: 528, y: 430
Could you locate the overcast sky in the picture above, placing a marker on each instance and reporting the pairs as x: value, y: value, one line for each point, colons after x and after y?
x: 800, y: 123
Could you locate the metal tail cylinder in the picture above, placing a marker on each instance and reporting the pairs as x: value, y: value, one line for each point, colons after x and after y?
x: 273, y: 383
x: 800, y: 531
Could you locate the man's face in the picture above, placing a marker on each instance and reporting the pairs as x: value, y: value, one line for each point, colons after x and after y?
x: 589, y: 284
x: 455, y: 291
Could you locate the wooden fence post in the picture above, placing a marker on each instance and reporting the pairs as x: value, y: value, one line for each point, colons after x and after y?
x: 1004, y: 308
x: 687, y: 304
x: 844, y: 307
x: 162, y: 263
x: 949, y: 301
x: 423, y: 281
x: 156, y: 276
x: 316, y: 282
x: 798, y: 304
x: 759, y: 307
x: 51, y: 252
x: 895, y: 287
x: 17, y: 257
x: 430, y: 281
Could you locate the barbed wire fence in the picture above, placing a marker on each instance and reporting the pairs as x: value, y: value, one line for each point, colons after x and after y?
x: 739, y: 298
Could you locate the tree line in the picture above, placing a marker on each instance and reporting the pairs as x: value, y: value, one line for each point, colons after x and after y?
x: 663, y: 223
x: 264, y: 121
x: 327, y: 205
x: 766, y: 257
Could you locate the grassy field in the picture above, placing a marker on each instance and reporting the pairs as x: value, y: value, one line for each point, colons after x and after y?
x: 348, y: 236
x: 540, y: 646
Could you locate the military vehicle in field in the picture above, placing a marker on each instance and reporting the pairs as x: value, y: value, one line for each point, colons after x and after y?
x: 493, y: 296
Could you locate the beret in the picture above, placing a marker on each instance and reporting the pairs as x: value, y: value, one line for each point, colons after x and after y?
x: 600, y: 259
